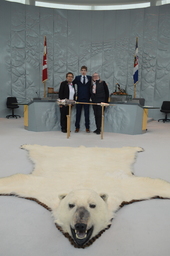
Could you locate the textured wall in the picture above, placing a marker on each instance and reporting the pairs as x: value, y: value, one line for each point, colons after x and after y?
x: 102, y: 40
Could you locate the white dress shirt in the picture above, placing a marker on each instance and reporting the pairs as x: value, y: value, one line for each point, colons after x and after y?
x: 72, y: 92
x: 86, y: 79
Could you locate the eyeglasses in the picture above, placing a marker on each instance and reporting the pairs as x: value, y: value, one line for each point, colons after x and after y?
x: 70, y: 76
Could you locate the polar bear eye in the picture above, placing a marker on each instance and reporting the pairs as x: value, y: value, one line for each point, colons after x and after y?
x: 92, y: 205
x: 71, y: 206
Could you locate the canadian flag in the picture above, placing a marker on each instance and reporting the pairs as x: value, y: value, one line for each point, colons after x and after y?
x: 135, y: 68
x: 44, y: 70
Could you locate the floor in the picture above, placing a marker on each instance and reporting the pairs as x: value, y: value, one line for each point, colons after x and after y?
x: 139, y: 229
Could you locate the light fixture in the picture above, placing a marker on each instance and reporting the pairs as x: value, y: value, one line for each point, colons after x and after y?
x: 162, y: 2
x: 17, y: 1
x: 92, y: 7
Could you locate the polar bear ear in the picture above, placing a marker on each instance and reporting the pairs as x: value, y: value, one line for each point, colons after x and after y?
x: 104, y: 197
x: 62, y: 196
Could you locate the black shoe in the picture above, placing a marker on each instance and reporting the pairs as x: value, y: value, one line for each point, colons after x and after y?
x: 63, y: 130
x: 95, y: 131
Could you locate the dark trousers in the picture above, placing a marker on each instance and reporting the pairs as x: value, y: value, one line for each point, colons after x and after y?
x: 64, y: 110
x: 86, y: 115
x: 98, y: 116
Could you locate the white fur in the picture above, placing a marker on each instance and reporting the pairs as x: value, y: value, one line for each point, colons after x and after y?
x: 83, y: 197
x: 83, y: 174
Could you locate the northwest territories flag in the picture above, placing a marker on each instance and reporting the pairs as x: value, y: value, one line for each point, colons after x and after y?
x: 44, y: 69
x: 135, y: 69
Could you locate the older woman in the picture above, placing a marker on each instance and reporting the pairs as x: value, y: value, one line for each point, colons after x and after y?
x: 99, y: 93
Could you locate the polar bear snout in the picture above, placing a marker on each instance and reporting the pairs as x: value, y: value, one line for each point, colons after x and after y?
x: 80, y: 231
x: 80, y: 225
x: 81, y: 215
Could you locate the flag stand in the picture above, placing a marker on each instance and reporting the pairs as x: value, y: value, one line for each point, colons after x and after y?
x: 44, y: 70
x: 135, y: 69
x: 45, y: 90
x: 134, y: 95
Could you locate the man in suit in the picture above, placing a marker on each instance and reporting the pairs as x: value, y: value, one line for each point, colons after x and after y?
x: 99, y: 93
x: 66, y: 91
x: 83, y: 83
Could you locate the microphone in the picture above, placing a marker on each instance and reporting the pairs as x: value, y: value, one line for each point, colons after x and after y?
x: 38, y: 97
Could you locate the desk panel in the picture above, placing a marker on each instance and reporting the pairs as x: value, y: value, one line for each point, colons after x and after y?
x: 120, y: 118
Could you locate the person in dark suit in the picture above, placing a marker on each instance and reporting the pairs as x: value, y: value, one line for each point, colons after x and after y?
x: 99, y: 93
x: 82, y: 83
x: 66, y: 91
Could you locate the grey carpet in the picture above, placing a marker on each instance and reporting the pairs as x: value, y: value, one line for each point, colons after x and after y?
x: 139, y: 229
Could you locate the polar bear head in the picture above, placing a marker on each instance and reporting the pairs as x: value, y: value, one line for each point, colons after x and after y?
x: 82, y: 215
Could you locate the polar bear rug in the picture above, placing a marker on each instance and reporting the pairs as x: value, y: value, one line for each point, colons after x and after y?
x: 83, y: 187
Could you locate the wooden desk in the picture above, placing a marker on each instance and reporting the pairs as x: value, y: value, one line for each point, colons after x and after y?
x: 26, y: 116
x: 145, y: 116
x: 125, y: 118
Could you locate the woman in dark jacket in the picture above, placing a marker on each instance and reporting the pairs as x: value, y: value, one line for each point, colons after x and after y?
x: 66, y: 91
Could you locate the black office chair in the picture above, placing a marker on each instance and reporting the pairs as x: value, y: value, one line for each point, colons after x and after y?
x: 12, y: 103
x: 165, y: 108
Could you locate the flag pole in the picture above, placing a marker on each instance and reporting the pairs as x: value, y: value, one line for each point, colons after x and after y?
x: 45, y: 90
x: 134, y: 93
x: 135, y: 71
x: 44, y: 70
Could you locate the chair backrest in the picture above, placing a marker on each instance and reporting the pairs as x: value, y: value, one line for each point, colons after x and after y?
x: 10, y: 101
x: 165, y: 105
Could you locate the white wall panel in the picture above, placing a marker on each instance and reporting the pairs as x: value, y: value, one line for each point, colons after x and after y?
x: 33, y: 55
x: 60, y: 46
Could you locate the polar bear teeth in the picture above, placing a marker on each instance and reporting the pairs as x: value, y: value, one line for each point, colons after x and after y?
x: 81, y: 235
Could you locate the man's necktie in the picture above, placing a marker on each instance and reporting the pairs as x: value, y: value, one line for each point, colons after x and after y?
x: 94, y: 87
x: 83, y: 79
